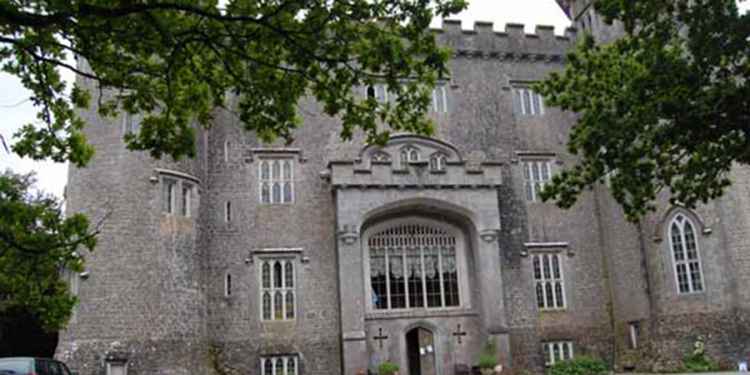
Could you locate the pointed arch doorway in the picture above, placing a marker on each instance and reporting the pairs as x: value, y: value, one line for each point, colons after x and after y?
x: 420, y: 351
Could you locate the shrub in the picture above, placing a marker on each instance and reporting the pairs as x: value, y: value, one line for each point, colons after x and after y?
x: 387, y: 368
x: 699, y: 363
x: 582, y: 365
x: 487, y: 358
x: 487, y: 361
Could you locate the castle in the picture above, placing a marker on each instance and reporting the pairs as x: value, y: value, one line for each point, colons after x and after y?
x: 329, y: 257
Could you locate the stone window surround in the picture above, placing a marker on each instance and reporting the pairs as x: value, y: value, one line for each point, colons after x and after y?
x: 180, y: 179
x: 558, y: 248
x: 521, y: 90
x: 282, y: 179
x: 297, y: 256
x: 439, y: 95
x: 461, y: 265
x: 550, y: 256
x: 549, y: 352
x: 285, y: 358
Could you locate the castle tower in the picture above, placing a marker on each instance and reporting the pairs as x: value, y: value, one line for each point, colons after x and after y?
x: 142, y: 300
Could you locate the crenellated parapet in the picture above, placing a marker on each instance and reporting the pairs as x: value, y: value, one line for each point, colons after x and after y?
x: 513, y: 44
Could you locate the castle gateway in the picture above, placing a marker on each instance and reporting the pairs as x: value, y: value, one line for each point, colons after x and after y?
x: 328, y: 257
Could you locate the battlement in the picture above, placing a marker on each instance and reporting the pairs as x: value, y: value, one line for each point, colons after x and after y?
x: 511, y: 44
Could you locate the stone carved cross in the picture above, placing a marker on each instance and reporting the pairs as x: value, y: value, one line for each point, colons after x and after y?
x: 459, y: 333
x: 380, y: 337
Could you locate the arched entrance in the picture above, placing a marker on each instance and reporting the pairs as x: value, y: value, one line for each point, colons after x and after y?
x: 420, y: 351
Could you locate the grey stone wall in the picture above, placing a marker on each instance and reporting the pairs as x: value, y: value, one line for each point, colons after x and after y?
x: 156, y: 291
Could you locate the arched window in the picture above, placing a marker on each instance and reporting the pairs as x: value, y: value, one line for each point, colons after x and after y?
x: 277, y: 288
x: 437, y: 162
x: 685, y: 255
x: 409, y: 154
x: 276, y: 181
x: 413, y: 266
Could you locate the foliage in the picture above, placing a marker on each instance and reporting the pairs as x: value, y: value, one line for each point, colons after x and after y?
x: 179, y: 60
x: 581, y: 365
x: 387, y: 368
x: 488, y: 356
x: 697, y: 360
x: 664, y: 107
x: 37, y: 243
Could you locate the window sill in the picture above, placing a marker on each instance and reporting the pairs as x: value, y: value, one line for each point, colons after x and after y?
x: 554, y: 311
x: 420, y: 313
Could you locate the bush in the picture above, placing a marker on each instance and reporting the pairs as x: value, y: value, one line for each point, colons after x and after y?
x: 699, y: 363
x: 487, y: 358
x: 579, y: 366
x: 487, y: 361
x: 387, y: 368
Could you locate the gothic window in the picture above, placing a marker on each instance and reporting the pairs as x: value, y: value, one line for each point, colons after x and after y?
x: 548, y: 281
x: 439, y: 99
x: 685, y: 255
x: 536, y: 175
x: 277, y: 289
x: 527, y: 103
x: 437, y: 162
x: 168, y: 195
x: 279, y: 365
x: 556, y: 351
x: 186, y: 199
x: 409, y: 154
x: 276, y: 178
x: 413, y: 266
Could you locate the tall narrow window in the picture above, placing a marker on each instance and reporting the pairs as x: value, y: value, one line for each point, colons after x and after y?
x: 437, y: 162
x: 279, y: 365
x: 413, y: 266
x: 228, y: 211
x: 168, y: 195
x: 278, y: 289
x: 635, y: 333
x: 276, y: 178
x: 536, y: 175
x: 439, y: 99
x: 557, y: 351
x: 227, y: 150
x: 527, y: 103
x: 548, y: 281
x: 186, y: 199
x: 228, y: 285
x: 685, y: 255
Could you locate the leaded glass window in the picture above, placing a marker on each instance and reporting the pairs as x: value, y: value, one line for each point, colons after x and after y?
x: 557, y: 351
x: 548, y: 281
x: 279, y: 365
x: 277, y: 280
x: 413, y: 266
x: 526, y: 102
x: 276, y: 177
x: 536, y: 174
x: 685, y: 255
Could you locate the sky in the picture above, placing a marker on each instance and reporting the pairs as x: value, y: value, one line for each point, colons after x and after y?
x: 15, y: 109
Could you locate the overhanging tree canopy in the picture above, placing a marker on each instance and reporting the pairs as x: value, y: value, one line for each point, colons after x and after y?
x: 664, y: 107
x: 177, y: 60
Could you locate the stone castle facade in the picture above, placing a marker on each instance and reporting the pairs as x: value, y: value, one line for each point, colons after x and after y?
x: 328, y: 257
